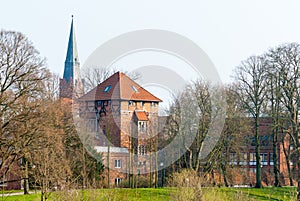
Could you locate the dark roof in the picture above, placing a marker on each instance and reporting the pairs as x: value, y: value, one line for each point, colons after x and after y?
x: 119, y: 87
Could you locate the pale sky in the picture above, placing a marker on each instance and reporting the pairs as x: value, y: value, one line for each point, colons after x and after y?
x: 228, y: 31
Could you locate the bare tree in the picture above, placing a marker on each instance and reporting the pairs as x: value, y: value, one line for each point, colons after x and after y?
x: 275, y: 110
x: 232, y: 140
x: 286, y: 59
x: 92, y: 76
x: 48, y: 156
x: 251, y: 88
x: 190, y: 121
x: 22, y: 75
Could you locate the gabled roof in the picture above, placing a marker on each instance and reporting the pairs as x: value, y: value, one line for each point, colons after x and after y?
x: 119, y: 87
x: 141, y: 115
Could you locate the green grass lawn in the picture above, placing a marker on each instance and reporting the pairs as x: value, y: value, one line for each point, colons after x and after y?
x: 165, y: 194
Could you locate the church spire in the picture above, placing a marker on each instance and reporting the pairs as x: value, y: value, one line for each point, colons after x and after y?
x: 71, y: 84
x: 72, y: 59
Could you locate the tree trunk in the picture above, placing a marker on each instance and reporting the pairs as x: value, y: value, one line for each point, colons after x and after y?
x: 223, y: 168
x: 298, y: 167
x: 289, y: 171
x: 275, y: 158
x: 26, y: 183
x: 258, y: 161
x: 298, y: 177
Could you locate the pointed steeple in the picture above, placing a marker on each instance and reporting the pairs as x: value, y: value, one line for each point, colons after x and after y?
x: 72, y: 59
x: 72, y: 81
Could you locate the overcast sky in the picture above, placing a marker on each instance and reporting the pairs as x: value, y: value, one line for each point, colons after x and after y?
x: 228, y: 31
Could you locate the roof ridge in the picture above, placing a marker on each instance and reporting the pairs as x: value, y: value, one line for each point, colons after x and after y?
x: 123, y: 90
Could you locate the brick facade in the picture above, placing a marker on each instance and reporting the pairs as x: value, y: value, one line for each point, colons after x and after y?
x: 125, y: 117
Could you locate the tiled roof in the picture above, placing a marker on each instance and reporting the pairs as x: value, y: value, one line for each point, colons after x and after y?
x: 119, y: 87
x: 141, y: 115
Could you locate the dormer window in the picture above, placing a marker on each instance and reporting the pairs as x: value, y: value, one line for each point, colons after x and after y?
x: 107, y: 89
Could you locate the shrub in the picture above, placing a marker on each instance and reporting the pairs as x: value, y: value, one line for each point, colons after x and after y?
x: 188, y: 185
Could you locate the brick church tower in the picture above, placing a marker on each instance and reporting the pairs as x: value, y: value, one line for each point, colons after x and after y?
x: 71, y: 84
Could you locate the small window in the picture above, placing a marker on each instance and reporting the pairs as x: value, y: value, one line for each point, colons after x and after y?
x: 141, y: 150
x: 142, y: 126
x: 99, y: 103
x: 130, y: 103
x: 118, y: 163
x: 107, y: 89
x: 142, y: 104
x: 271, y: 159
x: 232, y: 159
x: 252, y: 158
x: 264, y: 158
x: 118, y: 181
x: 153, y: 104
x: 134, y: 88
x: 243, y: 159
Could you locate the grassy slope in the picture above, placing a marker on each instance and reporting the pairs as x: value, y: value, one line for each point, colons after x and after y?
x: 215, y: 194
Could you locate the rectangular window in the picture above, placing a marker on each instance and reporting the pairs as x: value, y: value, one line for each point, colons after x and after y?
x: 91, y: 125
x: 243, y: 159
x: 271, y: 159
x: 142, y: 104
x: 118, y: 181
x: 142, y: 126
x: 3, y: 182
x: 118, y: 163
x: 252, y: 158
x: 264, y: 158
x: 99, y: 103
x: 232, y: 159
x: 142, y: 150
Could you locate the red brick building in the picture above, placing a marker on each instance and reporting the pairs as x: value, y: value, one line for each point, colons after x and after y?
x: 123, y: 118
x: 244, y: 163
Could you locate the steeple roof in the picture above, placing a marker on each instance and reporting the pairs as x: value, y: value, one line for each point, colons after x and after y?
x: 72, y: 58
x: 119, y: 87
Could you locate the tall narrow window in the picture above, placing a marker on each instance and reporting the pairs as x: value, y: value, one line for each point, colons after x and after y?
x: 142, y: 126
x: 142, y: 150
x: 252, y: 158
x: 232, y: 159
x: 271, y: 159
x: 243, y: 159
x: 91, y: 125
x: 118, y: 163
x: 264, y: 158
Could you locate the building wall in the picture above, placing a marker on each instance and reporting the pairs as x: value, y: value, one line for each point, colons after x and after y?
x: 120, y: 128
x: 266, y: 148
